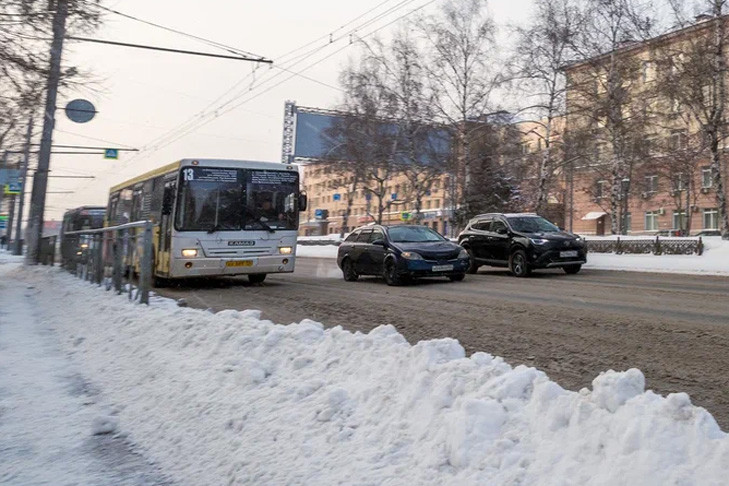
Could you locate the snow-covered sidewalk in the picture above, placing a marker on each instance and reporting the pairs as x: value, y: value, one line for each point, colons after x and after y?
x: 50, y: 421
x: 228, y: 398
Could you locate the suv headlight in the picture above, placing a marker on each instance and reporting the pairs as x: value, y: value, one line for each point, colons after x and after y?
x: 539, y: 241
x: 411, y: 255
x: 463, y: 254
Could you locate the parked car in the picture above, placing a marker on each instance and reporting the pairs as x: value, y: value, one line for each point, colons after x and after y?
x: 671, y: 232
x: 709, y: 233
x: 521, y: 242
x: 400, y: 253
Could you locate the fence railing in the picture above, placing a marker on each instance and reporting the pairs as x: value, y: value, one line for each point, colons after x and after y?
x: 656, y: 246
x: 117, y: 257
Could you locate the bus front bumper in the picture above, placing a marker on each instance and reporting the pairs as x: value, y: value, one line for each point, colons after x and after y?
x: 205, y: 267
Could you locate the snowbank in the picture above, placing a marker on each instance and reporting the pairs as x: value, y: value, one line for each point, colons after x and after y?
x: 229, y: 398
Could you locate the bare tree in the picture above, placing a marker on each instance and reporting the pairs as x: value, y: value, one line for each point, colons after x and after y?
x: 462, y: 78
x: 612, y: 101
x: 694, y: 77
x: 422, y: 147
x: 542, y: 50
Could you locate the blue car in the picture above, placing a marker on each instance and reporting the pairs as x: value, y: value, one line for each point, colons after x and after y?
x: 400, y: 254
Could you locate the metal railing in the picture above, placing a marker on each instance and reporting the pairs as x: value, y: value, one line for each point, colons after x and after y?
x: 656, y: 246
x: 113, y: 256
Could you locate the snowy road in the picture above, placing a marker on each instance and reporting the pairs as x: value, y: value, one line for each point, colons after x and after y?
x: 673, y: 327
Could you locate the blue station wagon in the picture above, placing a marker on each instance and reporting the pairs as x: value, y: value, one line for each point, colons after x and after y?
x: 400, y: 254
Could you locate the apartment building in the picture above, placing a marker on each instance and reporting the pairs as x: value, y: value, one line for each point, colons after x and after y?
x: 328, y: 201
x: 665, y: 183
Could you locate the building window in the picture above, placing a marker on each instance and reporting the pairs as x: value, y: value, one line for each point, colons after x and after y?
x: 436, y: 204
x: 649, y: 71
x: 679, y: 219
x: 651, y: 184
x: 651, y: 220
x: 627, y: 222
x: 711, y: 218
x: 678, y: 140
x: 706, y: 177
x: 435, y: 225
x: 600, y: 190
x: 678, y: 182
x: 427, y: 204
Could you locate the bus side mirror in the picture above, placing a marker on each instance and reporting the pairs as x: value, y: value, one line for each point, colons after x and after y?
x: 167, y: 201
x: 303, y: 202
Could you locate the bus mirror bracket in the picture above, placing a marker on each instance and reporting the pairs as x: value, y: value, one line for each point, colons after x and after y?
x: 303, y: 202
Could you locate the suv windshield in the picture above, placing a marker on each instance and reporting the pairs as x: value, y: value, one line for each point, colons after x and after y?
x: 531, y: 224
x: 219, y: 199
x: 413, y: 234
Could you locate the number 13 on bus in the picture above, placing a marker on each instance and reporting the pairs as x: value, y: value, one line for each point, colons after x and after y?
x: 215, y: 217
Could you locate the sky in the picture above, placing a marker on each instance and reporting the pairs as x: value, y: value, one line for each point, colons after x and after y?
x: 144, y: 98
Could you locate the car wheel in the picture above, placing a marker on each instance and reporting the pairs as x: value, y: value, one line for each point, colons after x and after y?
x: 348, y: 271
x: 457, y: 278
x: 472, y: 265
x: 518, y: 264
x: 389, y: 273
x: 572, y: 269
x: 256, y: 278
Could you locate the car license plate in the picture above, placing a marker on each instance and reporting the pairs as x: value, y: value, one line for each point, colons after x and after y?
x: 442, y: 268
x: 239, y: 263
x: 568, y: 254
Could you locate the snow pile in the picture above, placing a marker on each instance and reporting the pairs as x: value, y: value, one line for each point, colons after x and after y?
x: 229, y: 398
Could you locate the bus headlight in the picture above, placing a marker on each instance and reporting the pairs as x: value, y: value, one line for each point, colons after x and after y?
x: 285, y: 250
x: 84, y: 245
x: 189, y: 253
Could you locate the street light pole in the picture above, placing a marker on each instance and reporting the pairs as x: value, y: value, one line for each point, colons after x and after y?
x: 40, y: 181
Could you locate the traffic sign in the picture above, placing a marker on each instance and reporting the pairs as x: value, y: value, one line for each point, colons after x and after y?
x: 80, y: 110
x: 111, y: 153
x: 337, y: 197
x: 12, y: 188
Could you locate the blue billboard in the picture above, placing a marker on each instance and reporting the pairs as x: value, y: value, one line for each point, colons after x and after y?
x: 323, y: 135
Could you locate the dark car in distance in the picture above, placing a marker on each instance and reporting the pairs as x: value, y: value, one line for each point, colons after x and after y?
x: 522, y: 242
x: 400, y: 253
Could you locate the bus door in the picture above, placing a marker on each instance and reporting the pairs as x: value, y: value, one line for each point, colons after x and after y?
x: 165, y: 226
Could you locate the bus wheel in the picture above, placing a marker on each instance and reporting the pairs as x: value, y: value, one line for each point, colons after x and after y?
x: 256, y: 278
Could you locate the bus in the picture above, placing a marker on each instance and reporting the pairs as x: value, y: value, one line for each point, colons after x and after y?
x: 215, y: 217
x: 73, y: 247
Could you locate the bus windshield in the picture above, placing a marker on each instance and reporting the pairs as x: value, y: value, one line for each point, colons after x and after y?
x: 228, y: 199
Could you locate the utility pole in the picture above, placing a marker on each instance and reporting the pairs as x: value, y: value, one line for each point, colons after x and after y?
x: 18, y: 249
x: 2, y: 188
x: 40, y: 180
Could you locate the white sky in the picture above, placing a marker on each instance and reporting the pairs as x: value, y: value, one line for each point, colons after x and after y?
x: 141, y: 95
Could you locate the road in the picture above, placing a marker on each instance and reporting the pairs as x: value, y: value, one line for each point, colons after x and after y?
x: 675, y: 328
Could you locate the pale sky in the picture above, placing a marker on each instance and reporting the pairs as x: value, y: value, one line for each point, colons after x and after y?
x: 143, y: 95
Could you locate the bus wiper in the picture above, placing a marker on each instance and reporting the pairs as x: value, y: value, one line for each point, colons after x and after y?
x: 256, y: 220
x: 216, y: 227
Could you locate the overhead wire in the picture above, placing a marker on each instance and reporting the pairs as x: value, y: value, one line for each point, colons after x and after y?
x: 199, y: 120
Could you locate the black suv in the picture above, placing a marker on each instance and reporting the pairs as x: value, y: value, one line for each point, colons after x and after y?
x: 521, y: 242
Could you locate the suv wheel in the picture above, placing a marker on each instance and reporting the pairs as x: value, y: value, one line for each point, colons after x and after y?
x: 518, y: 264
x: 348, y: 271
x: 572, y: 269
x: 472, y: 265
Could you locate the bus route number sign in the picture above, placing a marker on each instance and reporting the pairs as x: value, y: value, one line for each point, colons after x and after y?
x: 206, y: 174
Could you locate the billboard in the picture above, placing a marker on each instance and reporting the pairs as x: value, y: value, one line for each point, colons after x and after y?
x: 322, y: 135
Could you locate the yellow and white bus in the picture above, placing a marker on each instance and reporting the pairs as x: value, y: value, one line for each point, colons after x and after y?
x: 215, y: 217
